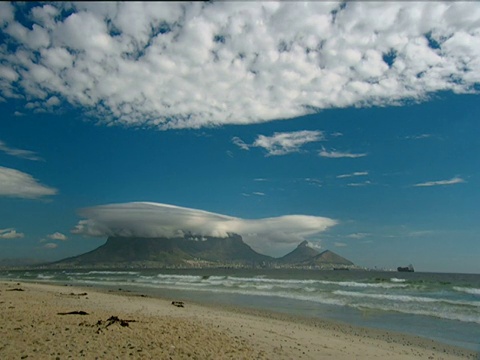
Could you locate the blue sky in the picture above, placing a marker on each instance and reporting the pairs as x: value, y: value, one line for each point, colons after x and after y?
x: 244, y: 124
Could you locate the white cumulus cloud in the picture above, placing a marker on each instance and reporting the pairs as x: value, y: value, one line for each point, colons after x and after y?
x: 10, y: 233
x: 240, y: 143
x: 453, y: 181
x: 57, y: 236
x: 273, y: 236
x: 282, y: 143
x: 190, y: 65
x: 287, y: 142
x: 314, y: 245
x: 14, y: 183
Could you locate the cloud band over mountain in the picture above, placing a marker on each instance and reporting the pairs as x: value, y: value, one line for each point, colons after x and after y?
x: 271, y: 236
x: 189, y: 65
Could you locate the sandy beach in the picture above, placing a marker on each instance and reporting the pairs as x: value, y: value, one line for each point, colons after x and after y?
x: 40, y: 321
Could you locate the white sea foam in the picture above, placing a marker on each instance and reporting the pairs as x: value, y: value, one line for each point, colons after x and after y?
x: 445, y: 314
x: 45, y: 277
x: 298, y: 282
x: 249, y: 290
x: 112, y: 272
x: 364, y: 285
x: 253, y: 291
x: 268, y: 280
x: 407, y: 298
x: 396, y: 280
x: 472, y: 291
x: 180, y: 277
x: 274, y: 285
x: 402, y: 298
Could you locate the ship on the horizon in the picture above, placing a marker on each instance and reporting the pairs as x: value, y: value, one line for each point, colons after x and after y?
x: 408, y: 268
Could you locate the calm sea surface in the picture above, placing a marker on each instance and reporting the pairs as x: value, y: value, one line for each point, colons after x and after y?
x: 444, y: 307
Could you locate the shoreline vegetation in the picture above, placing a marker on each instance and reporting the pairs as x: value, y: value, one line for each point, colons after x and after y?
x: 59, y: 322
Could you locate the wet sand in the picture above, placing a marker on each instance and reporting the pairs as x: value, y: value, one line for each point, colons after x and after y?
x: 43, y: 321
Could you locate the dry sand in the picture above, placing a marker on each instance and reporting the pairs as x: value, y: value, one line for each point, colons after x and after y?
x: 150, y: 328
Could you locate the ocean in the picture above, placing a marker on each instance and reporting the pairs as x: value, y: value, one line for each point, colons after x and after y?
x: 443, y: 307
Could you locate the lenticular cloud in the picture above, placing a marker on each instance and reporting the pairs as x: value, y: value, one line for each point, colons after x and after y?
x: 142, y: 219
x: 190, y: 65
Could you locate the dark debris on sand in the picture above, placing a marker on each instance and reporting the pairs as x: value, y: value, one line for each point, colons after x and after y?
x: 103, y: 325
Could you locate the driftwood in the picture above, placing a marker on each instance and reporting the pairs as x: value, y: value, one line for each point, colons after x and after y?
x: 102, y: 325
x: 15, y: 289
x: 114, y: 319
x: 178, y: 303
x: 81, y: 312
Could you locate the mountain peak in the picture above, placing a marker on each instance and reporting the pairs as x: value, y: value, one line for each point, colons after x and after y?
x: 329, y: 257
x: 301, y: 253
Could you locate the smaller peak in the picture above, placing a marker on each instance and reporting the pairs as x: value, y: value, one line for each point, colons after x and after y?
x: 304, y: 243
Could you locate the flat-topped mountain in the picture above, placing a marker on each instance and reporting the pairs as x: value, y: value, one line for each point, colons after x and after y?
x: 195, y: 251
x: 169, y: 252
